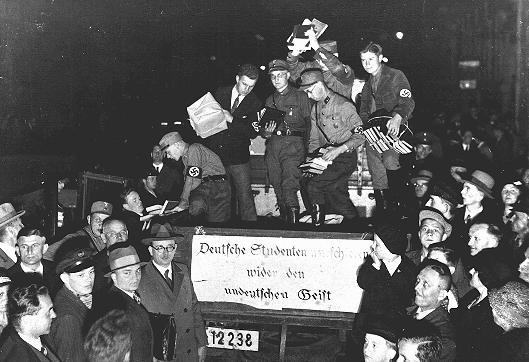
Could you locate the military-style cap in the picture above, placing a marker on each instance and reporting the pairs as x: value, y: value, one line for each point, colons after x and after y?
x: 169, y: 139
x: 424, y: 138
x: 310, y: 77
x: 75, y: 260
x: 425, y: 175
x: 101, y: 207
x: 277, y: 64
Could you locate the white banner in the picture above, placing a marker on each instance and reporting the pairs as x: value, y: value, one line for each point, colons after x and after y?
x: 277, y: 273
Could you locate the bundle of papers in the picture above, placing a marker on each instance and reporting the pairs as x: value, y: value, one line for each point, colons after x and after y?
x: 315, y: 166
x: 207, y: 116
x: 299, y: 41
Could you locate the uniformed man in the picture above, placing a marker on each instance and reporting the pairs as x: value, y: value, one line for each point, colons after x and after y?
x: 285, y: 148
x: 424, y: 157
x: 333, y: 123
x: 387, y: 89
x: 206, y: 191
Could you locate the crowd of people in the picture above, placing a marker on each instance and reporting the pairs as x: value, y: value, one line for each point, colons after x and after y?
x: 447, y: 278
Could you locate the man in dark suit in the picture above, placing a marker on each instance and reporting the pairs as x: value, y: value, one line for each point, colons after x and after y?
x: 166, y: 288
x: 232, y: 144
x: 31, y: 245
x: 30, y: 316
x: 125, y: 273
x: 431, y: 289
x: 10, y: 225
x: 170, y: 180
x: 137, y: 220
x: 73, y: 302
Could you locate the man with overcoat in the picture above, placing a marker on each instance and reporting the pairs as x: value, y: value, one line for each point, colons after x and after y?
x: 166, y: 288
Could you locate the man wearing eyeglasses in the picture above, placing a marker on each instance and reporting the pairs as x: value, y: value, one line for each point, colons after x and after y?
x: 286, y: 139
x: 166, y: 291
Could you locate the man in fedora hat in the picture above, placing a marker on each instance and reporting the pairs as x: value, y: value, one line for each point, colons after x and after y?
x: 73, y: 301
x: 286, y: 138
x: 206, y: 193
x: 165, y: 288
x: 10, y: 225
x: 125, y: 273
x: 476, y: 188
x: 333, y: 132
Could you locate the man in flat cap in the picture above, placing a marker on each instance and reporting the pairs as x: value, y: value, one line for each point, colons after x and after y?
x: 381, y: 339
x: 333, y: 124
x: 10, y: 225
x: 166, y: 288
x: 386, y: 89
x: 424, y: 156
x: 337, y: 76
x: 232, y: 144
x: 286, y: 139
x: 73, y: 302
x: 206, y: 193
x: 125, y: 272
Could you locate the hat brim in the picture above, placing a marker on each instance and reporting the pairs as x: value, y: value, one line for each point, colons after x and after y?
x: 81, y: 265
x: 149, y: 241
x: 428, y: 214
x: 16, y: 216
x: 141, y: 263
x: 273, y: 69
x: 487, y: 192
x: 425, y: 178
x: 306, y: 86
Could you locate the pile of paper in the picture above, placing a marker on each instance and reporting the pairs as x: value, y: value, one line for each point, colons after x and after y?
x: 298, y: 41
x: 315, y: 166
x: 207, y: 116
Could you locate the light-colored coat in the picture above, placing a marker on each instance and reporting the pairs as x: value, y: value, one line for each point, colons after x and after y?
x: 157, y: 297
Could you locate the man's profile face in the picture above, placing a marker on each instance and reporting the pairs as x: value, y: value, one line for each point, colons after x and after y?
x: 279, y: 79
x: 96, y: 222
x: 115, y: 232
x: 428, y: 289
x: 371, y: 62
x: 430, y: 232
x: 127, y: 279
x: 134, y: 201
x: 316, y: 92
x: 471, y: 194
x: 39, y: 323
x: 244, y: 84
x: 157, y: 154
x: 407, y: 352
x: 520, y: 221
x: 150, y: 182
x: 31, y: 248
x: 376, y: 349
x: 175, y: 151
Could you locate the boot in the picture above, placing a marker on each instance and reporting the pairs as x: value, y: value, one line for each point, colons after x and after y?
x: 292, y: 215
x: 283, y: 213
x: 318, y: 214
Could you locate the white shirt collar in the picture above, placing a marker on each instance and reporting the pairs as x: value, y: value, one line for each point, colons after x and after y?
x: 235, y: 94
x: 10, y: 251
x: 162, y: 269
x: 26, y: 269
x: 158, y: 167
x: 33, y: 342
x: 420, y: 314
x: 473, y: 213
x: 393, y: 265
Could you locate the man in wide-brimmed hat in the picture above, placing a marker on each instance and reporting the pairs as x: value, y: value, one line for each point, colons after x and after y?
x: 125, y: 272
x: 10, y: 225
x: 476, y: 188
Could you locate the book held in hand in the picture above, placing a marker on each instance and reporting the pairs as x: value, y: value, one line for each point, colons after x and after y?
x: 271, y: 114
x: 169, y: 207
x: 315, y: 166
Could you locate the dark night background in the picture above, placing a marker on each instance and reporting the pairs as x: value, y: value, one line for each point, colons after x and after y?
x: 94, y: 79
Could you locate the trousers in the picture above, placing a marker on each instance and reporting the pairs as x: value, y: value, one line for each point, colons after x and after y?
x: 239, y: 177
x: 378, y: 163
x: 211, y: 199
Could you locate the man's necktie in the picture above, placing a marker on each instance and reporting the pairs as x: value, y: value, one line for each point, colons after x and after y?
x: 136, y: 298
x: 44, y: 351
x: 235, y: 104
x: 87, y: 300
x: 467, y: 219
x: 168, y: 278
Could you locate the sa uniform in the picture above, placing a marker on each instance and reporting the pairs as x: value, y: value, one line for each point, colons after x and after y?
x: 388, y: 90
x: 212, y: 197
x: 333, y: 122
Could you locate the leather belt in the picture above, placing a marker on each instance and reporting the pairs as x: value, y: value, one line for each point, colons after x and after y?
x: 289, y: 133
x: 214, y: 178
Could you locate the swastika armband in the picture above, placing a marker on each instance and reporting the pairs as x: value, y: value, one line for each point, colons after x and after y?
x: 194, y: 171
x: 405, y: 93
